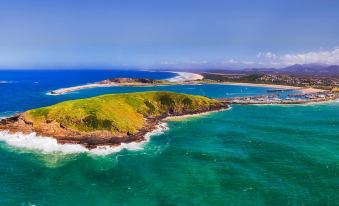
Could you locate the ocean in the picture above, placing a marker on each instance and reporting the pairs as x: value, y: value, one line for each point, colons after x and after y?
x: 247, y: 155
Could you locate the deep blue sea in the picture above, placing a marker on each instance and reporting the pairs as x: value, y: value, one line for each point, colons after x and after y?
x: 24, y: 90
x: 248, y: 155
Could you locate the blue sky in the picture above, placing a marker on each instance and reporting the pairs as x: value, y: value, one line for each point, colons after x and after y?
x: 154, y: 33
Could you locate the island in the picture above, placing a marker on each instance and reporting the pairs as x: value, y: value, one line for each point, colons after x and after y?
x: 108, y: 119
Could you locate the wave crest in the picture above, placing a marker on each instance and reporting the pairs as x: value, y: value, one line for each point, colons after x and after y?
x: 7, y: 82
x: 50, y: 145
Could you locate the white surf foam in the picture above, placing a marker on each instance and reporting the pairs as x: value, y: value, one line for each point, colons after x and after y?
x: 161, y: 128
x: 40, y: 143
x: 7, y: 82
x: 50, y: 145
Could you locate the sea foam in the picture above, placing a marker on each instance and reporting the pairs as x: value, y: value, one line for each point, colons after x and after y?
x: 50, y: 145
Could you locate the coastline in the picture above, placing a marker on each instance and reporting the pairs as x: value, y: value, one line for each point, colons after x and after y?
x: 47, y: 145
x: 181, y: 78
x: 19, y: 124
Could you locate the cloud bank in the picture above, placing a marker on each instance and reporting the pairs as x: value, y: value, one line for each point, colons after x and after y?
x: 262, y: 59
x: 321, y: 57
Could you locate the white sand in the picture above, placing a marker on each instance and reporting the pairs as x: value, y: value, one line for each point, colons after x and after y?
x: 76, y: 88
x: 185, y: 76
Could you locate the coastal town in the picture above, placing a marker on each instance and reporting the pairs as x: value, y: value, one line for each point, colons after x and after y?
x: 320, y: 82
x: 309, y: 89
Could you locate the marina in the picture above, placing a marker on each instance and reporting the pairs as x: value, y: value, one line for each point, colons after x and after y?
x: 276, y: 99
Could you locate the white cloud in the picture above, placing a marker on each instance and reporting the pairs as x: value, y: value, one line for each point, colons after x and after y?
x: 265, y: 59
x: 268, y: 55
x: 321, y: 57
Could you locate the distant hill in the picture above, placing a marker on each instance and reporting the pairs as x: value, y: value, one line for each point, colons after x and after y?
x: 311, y: 69
x: 297, y: 69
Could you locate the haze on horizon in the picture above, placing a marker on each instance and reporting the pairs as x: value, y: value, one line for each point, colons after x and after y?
x: 160, y: 34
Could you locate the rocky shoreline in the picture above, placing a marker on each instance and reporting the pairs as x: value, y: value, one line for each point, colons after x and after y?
x: 90, y: 140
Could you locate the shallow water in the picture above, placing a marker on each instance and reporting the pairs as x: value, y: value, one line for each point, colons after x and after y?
x: 249, y: 155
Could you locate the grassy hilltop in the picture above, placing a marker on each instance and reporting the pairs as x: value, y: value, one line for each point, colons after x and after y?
x: 118, y: 113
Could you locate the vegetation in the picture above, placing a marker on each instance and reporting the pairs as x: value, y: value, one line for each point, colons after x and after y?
x: 118, y: 113
x: 137, y: 80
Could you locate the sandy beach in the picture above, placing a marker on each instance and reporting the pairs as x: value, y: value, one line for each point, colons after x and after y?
x: 76, y: 88
x: 185, y: 76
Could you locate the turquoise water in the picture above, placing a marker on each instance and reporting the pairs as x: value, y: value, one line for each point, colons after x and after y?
x: 248, y: 155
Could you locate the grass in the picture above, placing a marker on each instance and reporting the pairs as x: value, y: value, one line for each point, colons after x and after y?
x: 118, y: 113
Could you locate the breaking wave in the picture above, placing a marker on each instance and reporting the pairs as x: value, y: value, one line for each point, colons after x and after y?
x: 7, y: 82
x: 50, y: 145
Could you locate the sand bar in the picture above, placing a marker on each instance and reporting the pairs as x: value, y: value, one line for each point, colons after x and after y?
x: 76, y: 88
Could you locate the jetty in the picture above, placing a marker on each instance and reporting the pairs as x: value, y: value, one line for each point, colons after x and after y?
x: 280, y: 90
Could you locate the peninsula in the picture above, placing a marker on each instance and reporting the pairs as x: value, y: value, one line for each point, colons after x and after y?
x: 181, y: 78
x: 112, y: 82
x: 108, y: 119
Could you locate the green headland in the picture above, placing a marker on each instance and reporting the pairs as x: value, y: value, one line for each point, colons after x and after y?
x: 111, y: 119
